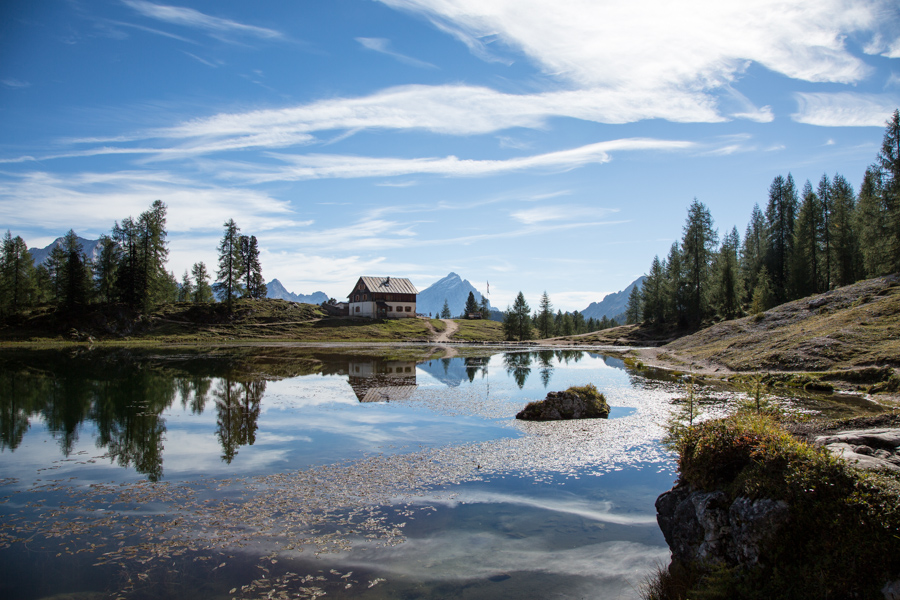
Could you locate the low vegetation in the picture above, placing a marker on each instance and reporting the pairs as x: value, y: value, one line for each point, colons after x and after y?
x: 478, y: 331
x: 840, y: 541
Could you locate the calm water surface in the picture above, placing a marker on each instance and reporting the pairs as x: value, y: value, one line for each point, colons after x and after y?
x: 285, y: 472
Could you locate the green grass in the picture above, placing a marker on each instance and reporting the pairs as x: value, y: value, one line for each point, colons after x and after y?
x: 479, y: 330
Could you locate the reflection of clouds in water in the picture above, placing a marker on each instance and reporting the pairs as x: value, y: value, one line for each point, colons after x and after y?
x: 601, y: 511
x: 456, y: 555
x: 308, y: 390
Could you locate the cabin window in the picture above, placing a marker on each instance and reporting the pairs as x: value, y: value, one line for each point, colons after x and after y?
x: 357, y: 309
x: 390, y: 308
x: 409, y: 309
x: 357, y: 299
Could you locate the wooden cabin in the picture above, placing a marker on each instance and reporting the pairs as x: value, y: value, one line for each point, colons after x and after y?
x: 383, y: 298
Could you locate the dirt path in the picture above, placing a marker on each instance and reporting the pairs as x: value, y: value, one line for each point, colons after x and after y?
x: 452, y: 328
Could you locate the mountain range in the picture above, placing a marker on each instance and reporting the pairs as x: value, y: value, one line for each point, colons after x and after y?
x: 613, y: 305
x: 274, y: 289
x: 90, y: 247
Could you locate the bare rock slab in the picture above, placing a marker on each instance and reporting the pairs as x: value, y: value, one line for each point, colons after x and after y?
x: 583, y: 402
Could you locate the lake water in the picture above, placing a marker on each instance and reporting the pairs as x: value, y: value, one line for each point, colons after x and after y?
x: 280, y: 472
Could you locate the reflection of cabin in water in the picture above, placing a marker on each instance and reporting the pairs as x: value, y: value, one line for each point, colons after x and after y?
x: 382, y: 381
x: 383, y: 298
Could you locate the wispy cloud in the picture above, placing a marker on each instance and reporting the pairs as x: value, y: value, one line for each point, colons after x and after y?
x: 15, y: 84
x: 845, y: 109
x: 188, y: 17
x: 383, y: 46
x: 558, y: 212
x: 326, y: 166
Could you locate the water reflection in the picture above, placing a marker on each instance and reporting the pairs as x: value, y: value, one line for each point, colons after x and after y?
x: 375, y: 380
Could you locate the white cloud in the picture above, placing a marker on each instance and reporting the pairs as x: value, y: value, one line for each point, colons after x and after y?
x: 845, y: 109
x: 658, y: 45
x: 322, y: 166
x: 188, y: 17
x: 15, y: 84
x: 383, y: 46
x: 558, y: 212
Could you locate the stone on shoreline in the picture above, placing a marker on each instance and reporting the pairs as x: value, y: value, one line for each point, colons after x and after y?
x: 583, y: 402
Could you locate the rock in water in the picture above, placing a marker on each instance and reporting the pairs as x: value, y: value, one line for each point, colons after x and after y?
x: 583, y: 402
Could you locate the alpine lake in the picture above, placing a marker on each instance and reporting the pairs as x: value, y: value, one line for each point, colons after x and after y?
x: 283, y: 471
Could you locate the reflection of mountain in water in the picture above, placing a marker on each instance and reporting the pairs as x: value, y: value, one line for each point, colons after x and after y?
x: 450, y: 371
x: 376, y: 380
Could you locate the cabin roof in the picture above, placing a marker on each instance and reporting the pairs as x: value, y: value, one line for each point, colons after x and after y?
x: 389, y: 285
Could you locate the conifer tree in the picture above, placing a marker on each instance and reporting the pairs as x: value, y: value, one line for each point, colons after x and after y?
x: 17, y: 276
x: 106, y: 268
x: 202, y: 290
x: 517, y: 320
x: 485, y: 308
x: 781, y: 213
x: 254, y: 284
x: 727, y: 285
x: 445, y: 310
x: 676, y: 288
x: 471, y: 305
x: 545, y: 317
x: 806, y: 267
x: 633, y: 308
x: 889, y: 164
x: 653, y: 304
x: 77, y: 278
x: 871, y: 221
x: 698, y: 246
x: 753, y: 251
x: 228, y: 277
x: 186, y: 288
x: 847, y: 260
x: 763, y: 298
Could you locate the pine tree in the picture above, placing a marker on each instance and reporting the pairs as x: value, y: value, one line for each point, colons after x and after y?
x: 698, y: 246
x: 77, y: 282
x: 228, y: 277
x: 826, y: 204
x: 517, y: 320
x: 471, y: 305
x: 653, y: 302
x: 889, y: 164
x: 202, y: 290
x: 186, y: 289
x: 871, y: 222
x: 676, y: 288
x: 106, y: 267
x: 141, y: 277
x: 633, y: 308
x: 254, y: 284
x: 763, y: 298
x: 727, y: 286
x: 445, y: 311
x: 484, y: 308
x: 17, y: 276
x: 781, y: 213
x: 753, y: 251
x: 806, y: 268
x: 847, y: 260
x: 56, y: 272
x: 545, y: 317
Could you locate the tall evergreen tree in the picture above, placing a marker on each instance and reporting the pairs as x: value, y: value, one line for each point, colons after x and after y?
x: 826, y: 205
x: 517, y: 320
x: 676, y: 292
x: 545, y: 317
x: 889, y: 164
x: 77, y: 272
x: 806, y: 263
x: 653, y: 302
x: 698, y: 245
x: 484, y: 308
x: 781, y: 213
x: 846, y: 258
x: 17, y: 276
x: 471, y: 305
x: 202, y: 290
x: 871, y: 221
x: 727, y: 282
x: 56, y: 271
x: 142, y: 279
x: 254, y: 284
x: 106, y: 268
x: 763, y: 298
x: 228, y: 277
x: 445, y: 310
x: 753, y: 251
x: 186, y: 288
x: 633, y: 307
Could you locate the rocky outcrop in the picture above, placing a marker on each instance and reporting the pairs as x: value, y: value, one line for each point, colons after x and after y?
x: 865, y: 448
x: 574, y: 403
x: 705, y: 528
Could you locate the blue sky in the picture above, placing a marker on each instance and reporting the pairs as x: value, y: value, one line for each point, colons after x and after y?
x: 535, y: 145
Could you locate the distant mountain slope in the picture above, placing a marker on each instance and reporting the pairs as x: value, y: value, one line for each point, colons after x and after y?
x: 90, y: 247
x: 613, y: 304
x: 451, y: 288
x: 274, y: 289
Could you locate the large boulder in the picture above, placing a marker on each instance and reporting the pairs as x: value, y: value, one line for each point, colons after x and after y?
x: 705, y: 528
x: 583, y: 402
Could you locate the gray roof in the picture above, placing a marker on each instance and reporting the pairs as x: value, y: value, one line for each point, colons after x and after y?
x: 389, y: 285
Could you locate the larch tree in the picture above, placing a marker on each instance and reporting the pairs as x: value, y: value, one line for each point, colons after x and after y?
x: 727, y: 281
x: 653, y: 302
x: 753, y: 251
x: 871, y: 221
x: 889, y: 164
x: 806, y: 263
x: 185, y: 288
x: 781, y: 214
x: 17, y: 276
x: 106, y: 269
x: 545, y: 317
x: 847, y: 260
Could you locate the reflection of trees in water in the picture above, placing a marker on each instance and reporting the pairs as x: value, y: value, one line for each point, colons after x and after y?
x: 194, y: 392
x: 474, y: 365
x: 17, y: 401
x: 518, y: 364
x: 238, y: 407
